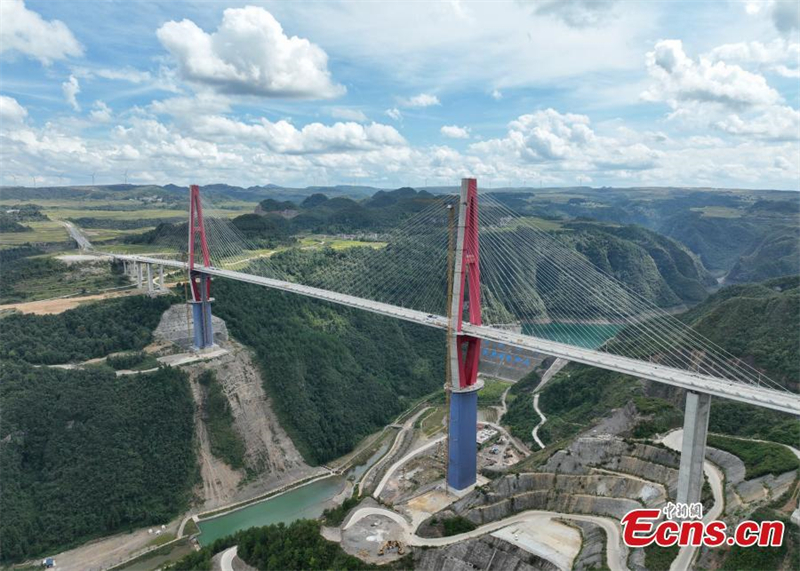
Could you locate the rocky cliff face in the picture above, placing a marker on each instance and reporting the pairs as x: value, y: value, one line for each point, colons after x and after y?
x: 488, y: 553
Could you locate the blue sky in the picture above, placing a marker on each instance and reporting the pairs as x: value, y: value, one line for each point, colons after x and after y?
x: 402, y: 93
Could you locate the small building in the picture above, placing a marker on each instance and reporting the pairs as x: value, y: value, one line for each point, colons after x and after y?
x: 48, y: 562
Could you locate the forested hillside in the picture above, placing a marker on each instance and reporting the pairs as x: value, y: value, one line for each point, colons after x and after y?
x: 334, y: 374
x: 756, y: 322
x: 85, y: 453
x: 88, y: 331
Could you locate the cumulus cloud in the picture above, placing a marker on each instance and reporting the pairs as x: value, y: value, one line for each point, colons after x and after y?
x: 576, y: 13
x: 283, y: 137
x: 421, y: 100
x: 100, y: 113
x: 779, y: 123
x: 250, y: 54
x: 394, y: 113
x: 679, y: 79
x: 566, y: 141
x: 497, y: 95
x: 348, y: 114
x: 779, y: 56
x: 11, y: 112
x: 71, y: 88
x: 455, y: 132
x: 26, y: 32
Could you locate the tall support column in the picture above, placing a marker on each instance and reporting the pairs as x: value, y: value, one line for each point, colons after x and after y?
x: 693, y: 449
x: 124, y: 267
x: 150, y: 278
x: 203, y: 333
x: 161, y: 285
x: 463, y: 351
x: 139, y: 275
x: 200, y: 283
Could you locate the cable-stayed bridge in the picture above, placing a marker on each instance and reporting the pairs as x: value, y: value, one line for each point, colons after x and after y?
x: 489, y: 275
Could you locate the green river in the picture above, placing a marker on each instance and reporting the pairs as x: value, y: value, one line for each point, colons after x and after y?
x: 307, y: 501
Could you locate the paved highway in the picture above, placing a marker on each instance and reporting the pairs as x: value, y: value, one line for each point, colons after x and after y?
x: 783, y: 401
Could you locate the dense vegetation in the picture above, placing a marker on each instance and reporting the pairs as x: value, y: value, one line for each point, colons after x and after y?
x: 224, y: 441
x: 85, y: 453
x: 88, y: 331
x: 334, y: 374
x: 456, y: 525
x: 760, y: 458
x: 754, y: 558
x: 335, y: 516
x: 757, y: 322
x: 280, y: 547
x: 658, y: 558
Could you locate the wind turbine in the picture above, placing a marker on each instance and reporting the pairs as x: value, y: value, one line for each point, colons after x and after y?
x: 92, y: 179
x: 34, y: 180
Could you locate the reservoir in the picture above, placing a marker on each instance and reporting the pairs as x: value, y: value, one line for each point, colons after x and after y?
x: 305, y: 502
x: 586, y: 335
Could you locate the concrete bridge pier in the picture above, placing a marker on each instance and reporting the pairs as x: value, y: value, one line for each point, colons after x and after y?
x: 203, y: 331
x: 693, y: 449
x: 462, y: 449
x: 150, y: 279
x: 139, y: 277
x: 161, y: 285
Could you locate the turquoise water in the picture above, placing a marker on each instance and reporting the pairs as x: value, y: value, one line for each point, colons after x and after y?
x: 303, y: 502
x: 588, y: 336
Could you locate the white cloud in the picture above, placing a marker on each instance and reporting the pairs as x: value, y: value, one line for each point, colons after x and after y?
x: 421, y: 100
x: 71, y: 88
x: 497, y: 95
x: 455, y: 132
x: 11, y: 112
x: 283, y: 137
x: 394, y: 113
x: 25, y: 31
x: 779, y: 123
x: 679, y: 79
x: 189, y: 107
x: 576, y: 13
x: 565, y: 142
x: 779, y: 56
x: 348, y: 114
x: 128, y: 74
x: 250, y: 54
x: 100, y: 113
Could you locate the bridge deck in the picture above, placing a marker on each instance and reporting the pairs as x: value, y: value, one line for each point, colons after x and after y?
x: 756, y: 395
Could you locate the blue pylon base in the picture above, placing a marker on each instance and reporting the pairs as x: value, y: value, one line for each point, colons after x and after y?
x: 462, y: 442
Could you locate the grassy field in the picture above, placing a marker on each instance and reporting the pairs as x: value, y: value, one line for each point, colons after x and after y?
x: 44, y: 232
x: 492, y: 392
x: 432, y: 421
x: 315, y: 241
x: 719, y: 212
